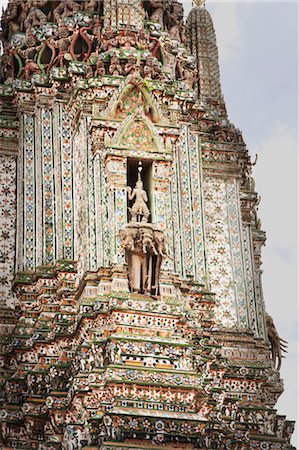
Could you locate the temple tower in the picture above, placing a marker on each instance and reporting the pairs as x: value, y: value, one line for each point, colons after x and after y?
x: 131, y: 298
x: 201, y: 40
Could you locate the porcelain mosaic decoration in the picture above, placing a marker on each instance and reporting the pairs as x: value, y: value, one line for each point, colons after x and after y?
x: 131, y: 301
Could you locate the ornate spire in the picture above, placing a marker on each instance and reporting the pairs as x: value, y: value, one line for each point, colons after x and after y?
x: 202, y: 43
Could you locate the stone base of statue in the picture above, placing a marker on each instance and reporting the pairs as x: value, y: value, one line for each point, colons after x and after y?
x: 144, y: 244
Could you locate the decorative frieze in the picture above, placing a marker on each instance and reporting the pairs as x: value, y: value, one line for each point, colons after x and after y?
x: 8, y: 228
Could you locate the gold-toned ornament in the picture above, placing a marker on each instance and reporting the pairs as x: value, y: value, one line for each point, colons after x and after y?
x: 199, y: 2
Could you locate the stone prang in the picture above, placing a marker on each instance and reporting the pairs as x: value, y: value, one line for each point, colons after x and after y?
x: 132, y: 312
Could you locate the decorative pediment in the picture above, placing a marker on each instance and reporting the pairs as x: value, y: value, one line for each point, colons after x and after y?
x: 132, y: 96
x: 138, y: 133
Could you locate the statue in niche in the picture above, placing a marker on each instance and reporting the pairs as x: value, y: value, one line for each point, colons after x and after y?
x: 144, y: 244
x: 139, y: 207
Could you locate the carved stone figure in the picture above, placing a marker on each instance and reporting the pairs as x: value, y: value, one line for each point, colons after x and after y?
x: 190, y: 75
x: 175, y: 18
x: 144, y: 245
x: 29, y: 54
x: 10, y: 21
x: 35, y: 18
x: 112, y: 39
x: 100, y: 68
x: 278, y: 345
x: 139, y: 207
x: 157, y: 13
x: 148, y: 69
x: 93, y: 6
x: 5, y: 72
x: 97, y: 33
x: 89, y: 72
x: 65, y: 9
x: 25, y: 7
x: 142, y: 41
x: 136, y: 260
x: 128, y: 39
x: 157, y: 70
x: 169, y: 59
x: 130, y: 65
x: 62, y: 44
x: 115, y: 67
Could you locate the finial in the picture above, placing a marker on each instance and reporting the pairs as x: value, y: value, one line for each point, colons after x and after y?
x: 199, y: 2
x: 139, y: 170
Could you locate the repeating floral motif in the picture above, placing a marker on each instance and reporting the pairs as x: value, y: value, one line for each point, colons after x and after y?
x: 67, y: 184
x: 185, y: 206
x: 7, y: 227
x: 248, y: 260
x: 104, y: 215
x: 197, y: 218
x: 49, y: 227
x: 80, y: 196
x: 92, y: 236
x: 175, y: 200
x: 219, y: 250
x: 237, y: 251
x: 29, y: 192
x: 130, y: 10
x: 162, y: 207
x: 138, y: 136
x: 260, y: 304
x: 101, y: 208
x: 116, y: 174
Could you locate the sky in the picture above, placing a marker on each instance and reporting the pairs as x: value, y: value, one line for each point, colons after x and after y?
x: 258, y: 53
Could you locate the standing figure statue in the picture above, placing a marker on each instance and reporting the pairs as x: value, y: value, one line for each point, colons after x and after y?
x: 30, y: 54
x: 139, y: 207
x: 175, y: 21
x: 137, y: 265
x: 62, y: 44
x: 157, y: 11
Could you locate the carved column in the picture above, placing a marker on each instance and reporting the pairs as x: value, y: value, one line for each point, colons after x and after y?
x: 162, y: 207
x: 120, y: 13
x: 116, y: 178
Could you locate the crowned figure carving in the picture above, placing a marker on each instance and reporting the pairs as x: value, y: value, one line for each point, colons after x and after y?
x: 144, y: 243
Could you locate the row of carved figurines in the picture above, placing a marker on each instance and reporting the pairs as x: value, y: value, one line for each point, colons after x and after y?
x: 38, y: 55
x: 23, y: 15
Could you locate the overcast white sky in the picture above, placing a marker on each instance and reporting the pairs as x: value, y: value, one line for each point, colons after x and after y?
x: 258, y: 49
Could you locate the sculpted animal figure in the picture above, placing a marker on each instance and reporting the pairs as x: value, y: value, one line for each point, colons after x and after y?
x: 278, y: 345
